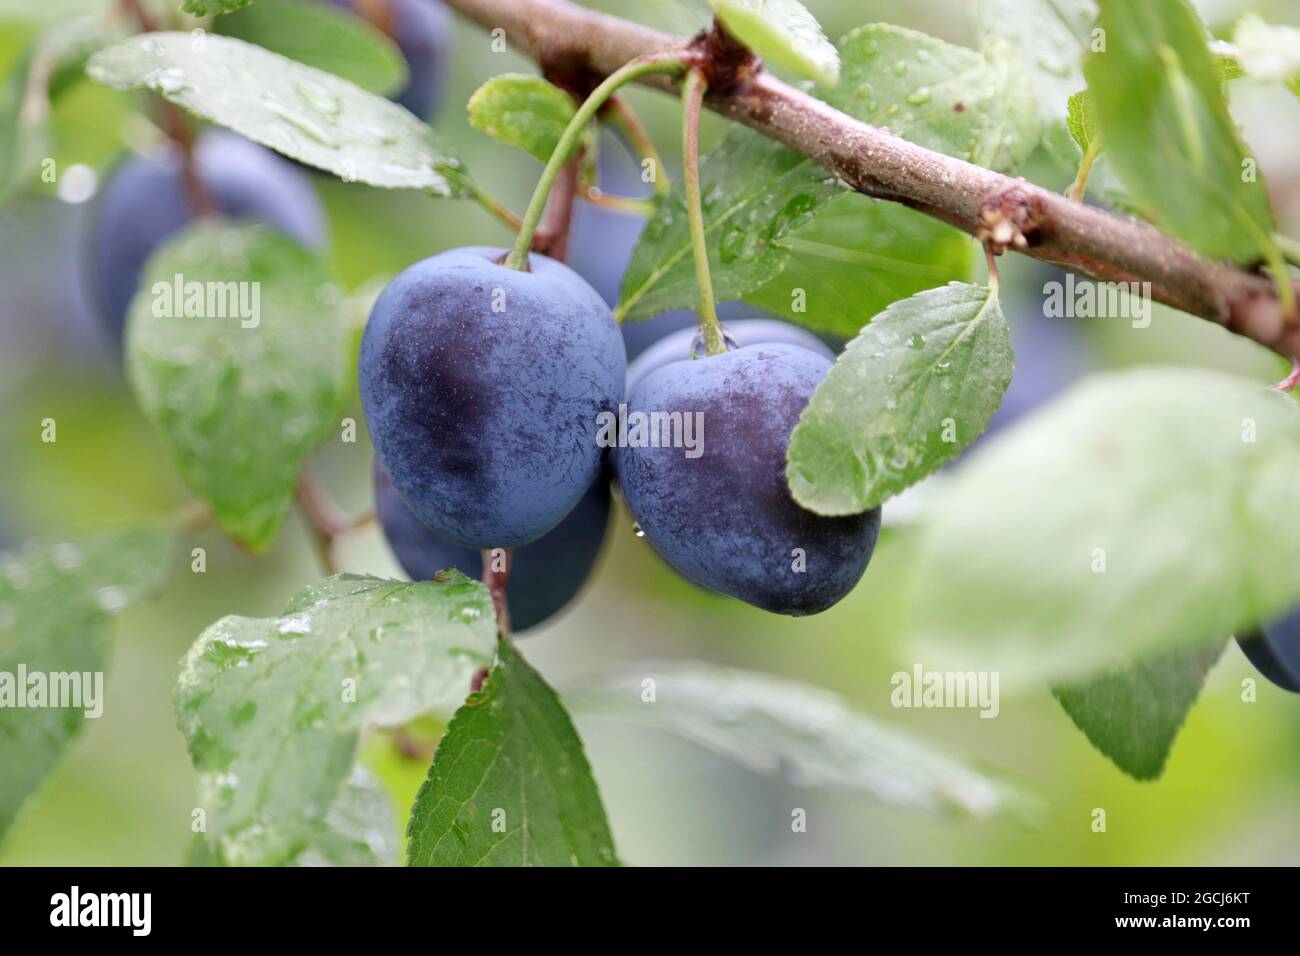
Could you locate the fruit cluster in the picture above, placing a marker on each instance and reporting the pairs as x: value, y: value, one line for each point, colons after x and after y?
x: 484, y: 389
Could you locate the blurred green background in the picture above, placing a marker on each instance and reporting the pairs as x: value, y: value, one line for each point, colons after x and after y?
x: 124, y: 793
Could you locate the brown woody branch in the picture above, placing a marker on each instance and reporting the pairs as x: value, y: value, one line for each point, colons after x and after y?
x: 875, y: 162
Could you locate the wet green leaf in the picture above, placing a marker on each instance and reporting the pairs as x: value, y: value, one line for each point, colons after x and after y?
x: 1161, y: 111
x: 207, y: 8
x: 1142, y: 511
x: 242, y: 370
x: 807, y: 735
x: 1082, y: 120
x: 905, y: 397
x: 858, y: 256
x: 1050, y: 38
x: 510, y: 784
x: 57, y: 602
x: 360, y: 829
x: 522, y: 110
x: 324, y: 36
x: 784, y: 33
x: 302, y: 112
x: 758, y: 193
x: 272, y: 707
x: 1132, y: 715
x: 754, y: 192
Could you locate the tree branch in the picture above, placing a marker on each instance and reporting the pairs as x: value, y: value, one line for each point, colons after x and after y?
x: 879, y: 164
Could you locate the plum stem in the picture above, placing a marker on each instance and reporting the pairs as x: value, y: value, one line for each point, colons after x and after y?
x: 670, y: 62
x: 598, y: 197
x: 497, y: 582
x: 409, y: 745
x: 174, y: 124
x: 992, y: 259
x: 621, y: 116
x: 552, y: 235
x: 494, y: 207
x: 1292, y: 380
x: 1080, y: 184
x: 693, y: 91
x: 324, y: 520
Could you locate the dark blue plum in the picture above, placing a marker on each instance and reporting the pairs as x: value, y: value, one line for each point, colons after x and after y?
x: 544, y: 575
x: 145, y: 202
x: 1275, y: 651
x: 725, y: 519
x: 487, y: 418
x: 422, y: 31
x: 601, y: 242
x: 676, y: 346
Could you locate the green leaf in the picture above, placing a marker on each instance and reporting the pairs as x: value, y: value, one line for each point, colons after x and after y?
x: 1142, y: 511
x: 756, y: 192
x: 522, y: 110
x: 1161, y: 112
x: 57, y: 602
x: 1050, y: 39
x: 208, y: 8
x: 858, y: 256
x: 917, y: 386
x: 242, y: 401
x: 784, y: 33
x: 302, y: 112
x: 360, y: 829
x: 323, y: 36
x: 1267, y: 52
x: 1082, y: 120
x: 808, y: 735
x: 1011, y: 129
x: 1132, y: 715
x: 510, y: 784
x: 937, y: 95
x: 272, y: 707
x: 1227, y: 61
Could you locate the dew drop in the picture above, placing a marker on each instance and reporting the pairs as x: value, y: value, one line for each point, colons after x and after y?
x: 738, y: 244
x: 295, y: 118
x: 111, y: 599
x: 319, y: 98
x: 167, y: 80
x: 294, y: 627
